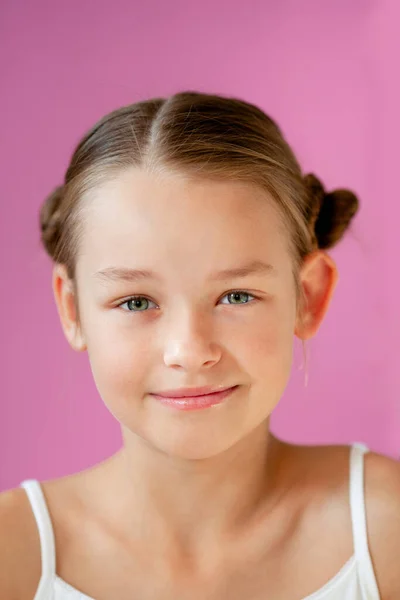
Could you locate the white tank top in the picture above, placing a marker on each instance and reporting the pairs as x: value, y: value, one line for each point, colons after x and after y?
x: 355, y: 580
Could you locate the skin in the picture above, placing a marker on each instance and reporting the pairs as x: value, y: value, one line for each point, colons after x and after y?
x: 187, y: 332
x: 189, y: 335
x: 204, y: 504
x: 197, y: 475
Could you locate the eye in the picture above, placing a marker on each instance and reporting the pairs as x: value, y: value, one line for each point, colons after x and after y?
x: 141, y: 303
x: 237, y: 295
x: 136, y: 304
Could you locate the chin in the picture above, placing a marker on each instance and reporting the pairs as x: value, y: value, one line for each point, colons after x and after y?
x: 196, y: 446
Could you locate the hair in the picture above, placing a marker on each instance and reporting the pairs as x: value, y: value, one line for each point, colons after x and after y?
x: 199, y: 135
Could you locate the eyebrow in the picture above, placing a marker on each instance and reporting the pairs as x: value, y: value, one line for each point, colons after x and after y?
x: 255, y: 267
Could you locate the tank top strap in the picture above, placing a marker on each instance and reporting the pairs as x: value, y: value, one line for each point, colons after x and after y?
x: 46, y: 534
x: 359, y: 521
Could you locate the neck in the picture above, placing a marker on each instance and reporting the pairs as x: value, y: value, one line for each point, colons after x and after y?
x: 191, y: 501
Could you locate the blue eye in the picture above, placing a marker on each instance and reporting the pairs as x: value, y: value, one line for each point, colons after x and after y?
x: 135, y: 304
x: 141, y: 303
x: 236, y: 295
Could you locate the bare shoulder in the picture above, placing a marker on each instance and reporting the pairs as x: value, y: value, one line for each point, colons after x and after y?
x: 329, y: 465
x: 382, y: 504
x: 20, y: 562
x: 20, y: 554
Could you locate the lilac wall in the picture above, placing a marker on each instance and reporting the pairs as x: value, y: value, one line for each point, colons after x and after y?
x: 325, y: 70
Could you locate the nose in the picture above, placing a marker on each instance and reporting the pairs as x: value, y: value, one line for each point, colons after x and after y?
x: 189, y: 343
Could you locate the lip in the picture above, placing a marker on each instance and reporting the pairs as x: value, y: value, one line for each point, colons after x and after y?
x: 192, y: 392
x: 194, y: 402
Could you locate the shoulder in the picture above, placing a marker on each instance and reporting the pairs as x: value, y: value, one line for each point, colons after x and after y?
x: 20, y: 561
x: 382, y: 505
x: 327, y: 468
x: 382, y: 510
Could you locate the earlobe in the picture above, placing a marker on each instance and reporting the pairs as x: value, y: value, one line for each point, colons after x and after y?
x: 318, y: 279
x: 66, y: 302
x: 78, y: 343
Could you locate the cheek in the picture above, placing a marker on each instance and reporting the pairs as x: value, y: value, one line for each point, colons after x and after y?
x: 269, y: 349
x: 120, y: 359
x: 271, y: 336
x: 122, y: 356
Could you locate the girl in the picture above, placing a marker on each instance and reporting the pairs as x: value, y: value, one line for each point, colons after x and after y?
x: 188, y: 251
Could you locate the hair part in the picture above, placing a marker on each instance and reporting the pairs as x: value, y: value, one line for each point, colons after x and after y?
x: 196, y: 135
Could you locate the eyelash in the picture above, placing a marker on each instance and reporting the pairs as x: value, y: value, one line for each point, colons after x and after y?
x: 227, y: 294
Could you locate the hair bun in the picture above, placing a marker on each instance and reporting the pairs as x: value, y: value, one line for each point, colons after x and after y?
x: 329, y: 214
x: 49, y: 217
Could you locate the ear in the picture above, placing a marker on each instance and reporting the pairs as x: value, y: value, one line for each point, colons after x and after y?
x: 318, y: 279
x: 67, y: 306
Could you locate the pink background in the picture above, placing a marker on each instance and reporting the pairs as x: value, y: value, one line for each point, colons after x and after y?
x: 326, y: 71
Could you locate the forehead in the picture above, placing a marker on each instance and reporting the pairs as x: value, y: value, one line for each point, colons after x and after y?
x: 142, y: 218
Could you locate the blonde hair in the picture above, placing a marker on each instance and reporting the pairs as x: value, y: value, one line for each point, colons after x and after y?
x: 202, y: 135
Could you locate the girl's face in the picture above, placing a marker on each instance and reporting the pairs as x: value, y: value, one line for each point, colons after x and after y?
x: 186, y: 328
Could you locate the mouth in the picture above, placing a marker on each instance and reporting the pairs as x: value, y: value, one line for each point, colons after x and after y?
x: 195, y: 402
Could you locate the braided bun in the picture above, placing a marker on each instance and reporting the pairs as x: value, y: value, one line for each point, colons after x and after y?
x: 50, y: 221
x: 328, y: 214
